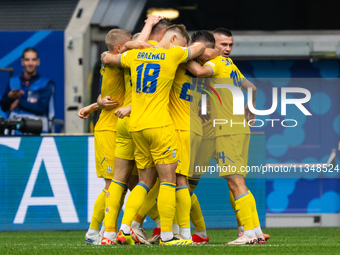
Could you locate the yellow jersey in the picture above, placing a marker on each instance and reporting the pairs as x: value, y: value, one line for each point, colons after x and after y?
x: 152, y: 73
x: 184, y: 102
x: 128, y: 87
x: 153, y: 42
x: 112, y: 84
x: 225, y: 72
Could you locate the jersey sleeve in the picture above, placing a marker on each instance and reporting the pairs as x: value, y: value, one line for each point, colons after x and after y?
x: 213, y: 65
x: 125, y: 58
x: 240, y: 75
x: 181, y: 54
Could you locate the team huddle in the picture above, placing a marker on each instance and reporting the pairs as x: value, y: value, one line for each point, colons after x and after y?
x: 156, y: 125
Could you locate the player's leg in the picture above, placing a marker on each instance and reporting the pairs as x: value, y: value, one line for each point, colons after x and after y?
x: 183, y: 206
x: 230, y: 151
x: 105, y: 143
x: 147, y: 178
x: 202, y: 160
x: 183, y: 200
x: 123, y: 169
x: 139, y: 234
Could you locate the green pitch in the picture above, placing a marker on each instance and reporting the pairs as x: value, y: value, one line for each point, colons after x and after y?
x: 283, y: 241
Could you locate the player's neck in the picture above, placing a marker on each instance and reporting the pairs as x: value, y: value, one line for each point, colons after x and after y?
x: 163, y: 45
x: 28, y: 75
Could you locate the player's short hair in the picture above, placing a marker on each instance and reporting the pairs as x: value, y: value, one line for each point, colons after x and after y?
x: 29, y: 49
x: 223, y: 31
x: 163, y: 23
x: 179, y: 28
x: 134, y: 37
x: 205, y: 37
x: 115, y: 37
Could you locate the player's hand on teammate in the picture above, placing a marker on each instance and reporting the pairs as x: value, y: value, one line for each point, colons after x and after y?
x: 85, y: 112
x: 102, y: 56
x: 153, y: 20
x: 123, y: 112
x: 249, y: 115
x: 107, y: 103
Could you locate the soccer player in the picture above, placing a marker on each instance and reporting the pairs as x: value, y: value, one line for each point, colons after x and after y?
x: 224, y: 43
x: 150, y: 206
x: 112, y: 86
x: 152, y: 74
x: 184, y: 109
x: 232, y: 143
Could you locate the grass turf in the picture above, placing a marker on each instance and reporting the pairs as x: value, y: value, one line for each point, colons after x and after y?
x: 282, y: 241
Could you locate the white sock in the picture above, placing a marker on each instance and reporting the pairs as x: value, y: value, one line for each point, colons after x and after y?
x: 202, y: 233
x: 175, y: 229
x: 258, y: 231
x: 110, y: 235
x: 92, y: 232
x: 102, y: 230
x: 166, y: 236
x: 135, y: 224
x: 240, y: 229
x: 185, y: 233
x: 125, y: 228
x: 158, y: 223
x: 249, y: 233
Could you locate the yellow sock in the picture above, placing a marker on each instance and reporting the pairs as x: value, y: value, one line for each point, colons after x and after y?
x: 193, y: 182
x: 183, y: 206
x: 98, y: 210
x: 243, y: 208
x: 153, y: 213
x: 120, y: 208
x: 256, y: 220
x: 166, y: 205
x: 196, y: 215
x: 149, y: 203
x: 113, y: 204
x: 134, y: 203
x: 232, y: 202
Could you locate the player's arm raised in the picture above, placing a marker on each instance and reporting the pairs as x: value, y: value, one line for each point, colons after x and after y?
x: 196, y: 49
x: 198, y: 70
x: 149, y: 24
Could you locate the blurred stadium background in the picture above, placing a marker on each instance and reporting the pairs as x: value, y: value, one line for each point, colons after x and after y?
x: 48, y: 182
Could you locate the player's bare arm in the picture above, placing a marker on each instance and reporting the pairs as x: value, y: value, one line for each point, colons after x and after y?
x: 208, y: 54
x: 247, y: 113
x: 198, y: 70
x: 123, y: 112
x: 85, y: 112
x: 149, y: 24
x: 196, y: 49
x: 135, y: 45
x: 110, y: 59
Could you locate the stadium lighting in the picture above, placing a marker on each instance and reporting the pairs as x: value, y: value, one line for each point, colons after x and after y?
x: 167, y: 13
